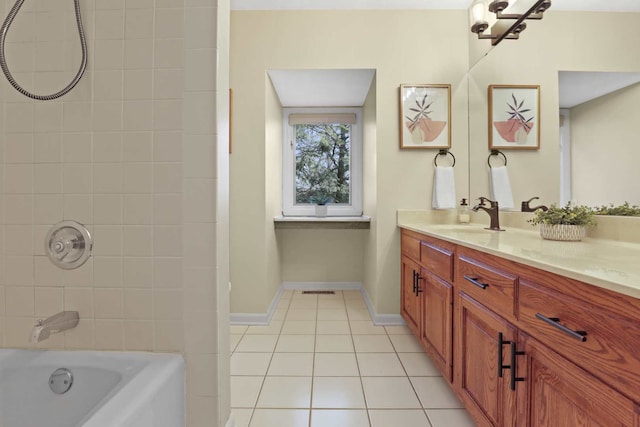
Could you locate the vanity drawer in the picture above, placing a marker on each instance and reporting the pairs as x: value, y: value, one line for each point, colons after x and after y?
x: 480, y: 277
x: 595, y: 336
x: 410, y: 244
x: 437, y: 257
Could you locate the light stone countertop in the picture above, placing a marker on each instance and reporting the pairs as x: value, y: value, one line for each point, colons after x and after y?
x: 609, y: 264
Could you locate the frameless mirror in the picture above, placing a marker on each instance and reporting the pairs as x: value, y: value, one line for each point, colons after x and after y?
x: 567, y: 41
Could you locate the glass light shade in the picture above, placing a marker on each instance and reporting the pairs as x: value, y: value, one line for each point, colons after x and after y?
x: 478, y: 12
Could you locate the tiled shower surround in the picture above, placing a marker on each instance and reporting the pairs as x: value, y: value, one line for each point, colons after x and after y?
x: 137, y: 152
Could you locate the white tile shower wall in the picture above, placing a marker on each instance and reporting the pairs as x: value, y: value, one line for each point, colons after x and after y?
x: 138, y: 153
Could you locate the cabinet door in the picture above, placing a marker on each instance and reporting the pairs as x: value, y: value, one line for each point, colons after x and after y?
x: 483, y: 387
x: 410, y: 306
x: 561, y: 394
x: 437, y: 319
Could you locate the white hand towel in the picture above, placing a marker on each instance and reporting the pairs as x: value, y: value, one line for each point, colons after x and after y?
x: 501, y: 187
x: 444, y: 188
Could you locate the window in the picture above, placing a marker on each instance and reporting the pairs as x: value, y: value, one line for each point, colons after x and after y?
x: 322, y: 161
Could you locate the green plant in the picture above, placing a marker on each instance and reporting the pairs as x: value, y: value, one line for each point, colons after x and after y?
x: 623, y: 210
x: 321, y: 198
x: 567, y: 215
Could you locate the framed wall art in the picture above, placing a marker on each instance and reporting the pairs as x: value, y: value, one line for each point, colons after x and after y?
x: 514, y: 117
x: 425, y: 116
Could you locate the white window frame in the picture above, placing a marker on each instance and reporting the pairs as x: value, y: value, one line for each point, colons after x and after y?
x: 289, y: 208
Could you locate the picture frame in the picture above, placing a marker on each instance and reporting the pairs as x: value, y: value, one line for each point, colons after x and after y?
x: 514, y: 117
x: 425, y: 116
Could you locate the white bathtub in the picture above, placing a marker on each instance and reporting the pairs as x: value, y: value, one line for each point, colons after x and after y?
x: 109, y: 389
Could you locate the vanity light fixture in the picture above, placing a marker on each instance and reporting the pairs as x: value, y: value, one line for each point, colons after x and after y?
x: 507, y: 25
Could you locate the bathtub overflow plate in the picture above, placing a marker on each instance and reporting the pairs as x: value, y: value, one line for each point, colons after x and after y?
x: 61, y: 381
x: 68, y: 244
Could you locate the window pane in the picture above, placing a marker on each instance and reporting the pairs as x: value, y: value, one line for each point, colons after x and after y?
x: 323, y: 159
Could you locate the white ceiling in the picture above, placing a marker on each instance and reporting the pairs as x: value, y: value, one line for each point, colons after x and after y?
x: 576, y: 87
x: 322, y: 88
x: 585, y: 5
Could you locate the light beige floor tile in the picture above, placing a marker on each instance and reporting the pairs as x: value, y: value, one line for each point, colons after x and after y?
x: 334, y: 344
x: 366, y: 327
x: 301, y: 314
x: 335, y: 365
x: 372, y: 344
x: 280, y: 418
x: 273, y: 328
x: 257, y: 343
x: 337, y: 392
x: 332, y: 314
x: 406, y: 344
x: 398, y: 330
x: 331, y: 303
x: 291, y: 327
x: 418, y: 365
x: 250, y: 363
x: 358, y: 314
x: 238, y: 329
x: 296, y: 344
x: 244, y: 391
x: 339, y: 418
x: 333, y: 327
x: 234, y: 339
x: 435, y: 393
x: 389, y: 393
x: 400, y: 417
x: 285, y: 392
x: 279, y: 314
x: 352, y: 295
x: 305, y: 302
x: 380, y: 365
x: 291, y: 364
x: 241, y: 417
x: 450, y: 417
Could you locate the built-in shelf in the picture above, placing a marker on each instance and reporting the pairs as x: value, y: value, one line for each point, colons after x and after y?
x: 329, y: 222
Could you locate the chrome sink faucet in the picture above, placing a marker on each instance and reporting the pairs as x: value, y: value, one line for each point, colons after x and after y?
x: 493, y: 212
x: 52, y: 325
x: 526, y: 208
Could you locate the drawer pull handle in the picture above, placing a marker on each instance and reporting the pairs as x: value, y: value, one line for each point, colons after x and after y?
x: 474, y: 280
x: 514, y: 366
x: 555, y: 322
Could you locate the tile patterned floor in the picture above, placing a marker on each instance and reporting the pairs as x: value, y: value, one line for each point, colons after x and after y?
x: 322, y: 363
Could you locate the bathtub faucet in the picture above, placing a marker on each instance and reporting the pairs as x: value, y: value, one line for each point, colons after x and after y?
x: 52, y: 325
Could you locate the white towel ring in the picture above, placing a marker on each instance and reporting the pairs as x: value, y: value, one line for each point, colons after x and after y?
x: 496, y: 153
x: 444, y: 153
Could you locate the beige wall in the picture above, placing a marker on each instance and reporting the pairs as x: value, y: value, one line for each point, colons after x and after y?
x: 561, y: 41
x: 403, y: 47
x: 132, y: 152
x: 604, y: 143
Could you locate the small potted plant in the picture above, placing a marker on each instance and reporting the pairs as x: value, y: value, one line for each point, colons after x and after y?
x: 566, y: 223
x: 321, y: 199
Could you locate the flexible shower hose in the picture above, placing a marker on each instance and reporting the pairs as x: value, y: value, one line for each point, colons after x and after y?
x: 3, y: 61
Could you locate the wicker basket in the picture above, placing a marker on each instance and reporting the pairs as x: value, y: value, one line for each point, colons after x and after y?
x: 569, y: 233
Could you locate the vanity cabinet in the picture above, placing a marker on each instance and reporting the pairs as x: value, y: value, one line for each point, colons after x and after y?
x: 522, y: 346
x: 427, y: 296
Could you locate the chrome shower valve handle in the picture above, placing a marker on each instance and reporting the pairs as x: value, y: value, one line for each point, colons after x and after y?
x: 68, y: 244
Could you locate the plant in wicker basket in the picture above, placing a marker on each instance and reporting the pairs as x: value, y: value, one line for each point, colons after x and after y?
x: 564, y: 223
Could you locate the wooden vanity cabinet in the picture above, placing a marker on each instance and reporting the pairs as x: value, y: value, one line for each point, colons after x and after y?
x: 523, y: 347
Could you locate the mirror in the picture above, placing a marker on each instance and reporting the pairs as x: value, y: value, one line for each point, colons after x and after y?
x: 563, y: 41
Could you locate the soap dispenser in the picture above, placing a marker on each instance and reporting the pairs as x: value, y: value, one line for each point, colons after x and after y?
x: 463, y: 212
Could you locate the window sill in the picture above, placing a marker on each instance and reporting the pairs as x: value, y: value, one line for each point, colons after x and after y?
x: 326, y: 223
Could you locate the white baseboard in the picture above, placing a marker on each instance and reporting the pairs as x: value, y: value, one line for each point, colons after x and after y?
x: 265, y: 318
x: 258, y: 319
x: 322, y: 286
x: 381, y: 319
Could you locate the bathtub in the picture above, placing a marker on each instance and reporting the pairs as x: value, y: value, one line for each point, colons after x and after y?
x: 109, y: 389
